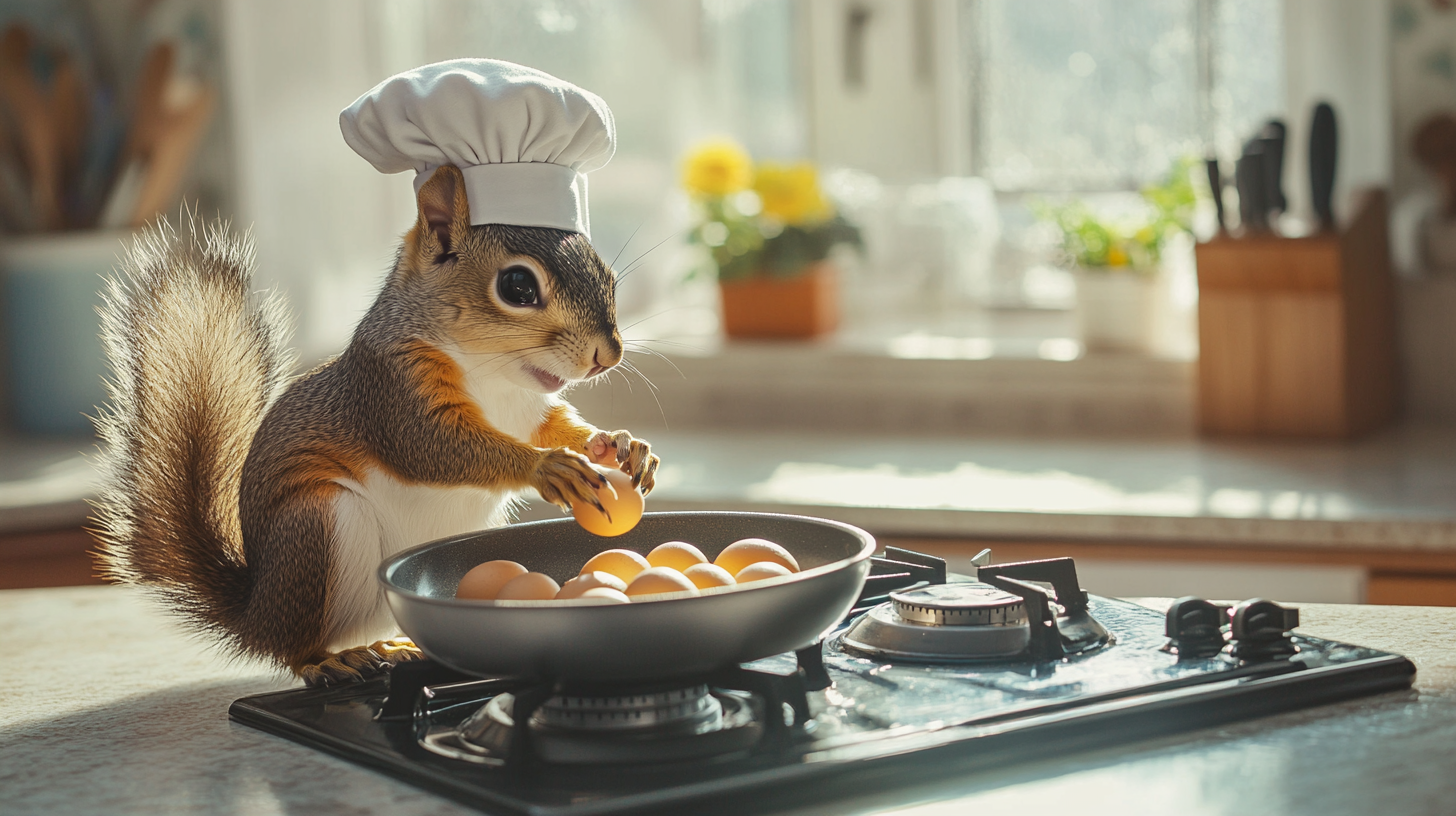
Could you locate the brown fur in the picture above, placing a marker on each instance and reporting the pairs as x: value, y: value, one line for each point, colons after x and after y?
x: 220, y: 491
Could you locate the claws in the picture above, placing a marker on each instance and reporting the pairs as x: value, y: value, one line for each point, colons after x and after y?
x: 359, y: 663
x: 566, y: 478
x: 633, y: 456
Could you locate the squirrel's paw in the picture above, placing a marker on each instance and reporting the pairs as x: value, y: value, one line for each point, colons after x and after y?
x: 397, y: 650
x: 634, y: 456
x: 564, y: 478
x: 359, y: 663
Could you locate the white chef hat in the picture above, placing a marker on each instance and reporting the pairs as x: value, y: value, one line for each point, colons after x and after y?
x: 522, y: 138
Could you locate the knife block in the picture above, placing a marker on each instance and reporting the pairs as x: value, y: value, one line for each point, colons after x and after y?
x: 1297, y: 335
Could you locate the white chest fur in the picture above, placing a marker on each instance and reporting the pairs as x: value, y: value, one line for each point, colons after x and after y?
x: 381, y: 516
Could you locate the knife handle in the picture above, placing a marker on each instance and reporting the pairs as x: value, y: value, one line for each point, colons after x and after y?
x: 1272, y: 138
x: 1215, y: 186
x: 1323, y: 147
x: 1253, y: 203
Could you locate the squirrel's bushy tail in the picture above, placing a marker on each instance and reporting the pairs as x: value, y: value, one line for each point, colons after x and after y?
x: 196, y: 359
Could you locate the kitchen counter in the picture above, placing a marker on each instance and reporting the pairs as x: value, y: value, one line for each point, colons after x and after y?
x: 1395, y: 490
x: 45, y: 482
x: 108, y: 708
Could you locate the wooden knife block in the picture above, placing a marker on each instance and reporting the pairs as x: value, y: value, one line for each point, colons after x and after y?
x: 1297, y: 335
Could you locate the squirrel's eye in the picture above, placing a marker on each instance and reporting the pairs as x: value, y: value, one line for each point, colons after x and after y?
x: 518, y: 286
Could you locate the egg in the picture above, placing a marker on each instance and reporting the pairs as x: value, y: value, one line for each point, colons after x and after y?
x: 590, y: 580
x: 740, y: 554
x: 657, y: 580
x: 760, y: 571
x: 676, y: 554
x: 624, y: 564
x: 708, y: 576
x: 621, y: 501
x: 485, y: 580
x: 606, y: 595
x: 533, y: 586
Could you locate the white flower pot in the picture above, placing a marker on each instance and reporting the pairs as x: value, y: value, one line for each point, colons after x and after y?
x: 1116, y: 309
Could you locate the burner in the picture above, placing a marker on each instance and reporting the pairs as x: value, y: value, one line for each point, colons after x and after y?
x: 969, y: 604
x: 662, y: 709
x: 658, y: 726
x: 957, y: 622
x: 1007, y: 614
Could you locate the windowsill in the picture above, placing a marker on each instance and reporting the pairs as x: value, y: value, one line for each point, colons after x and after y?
x: 851, y: 385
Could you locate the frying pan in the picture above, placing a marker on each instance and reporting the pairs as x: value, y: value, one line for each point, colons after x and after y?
x: 586, y: 643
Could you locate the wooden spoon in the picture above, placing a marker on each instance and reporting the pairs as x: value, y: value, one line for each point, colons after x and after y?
x: 178, y: 133
x: 148, y: 108
x: 31, y: 111
x: 14, y: 198
x: 68, y: 118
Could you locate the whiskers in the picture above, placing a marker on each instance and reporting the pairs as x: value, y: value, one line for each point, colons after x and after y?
x: 498, y: 359
x: 636, y: 263
x: 628, y: 370
x: 638, y: 347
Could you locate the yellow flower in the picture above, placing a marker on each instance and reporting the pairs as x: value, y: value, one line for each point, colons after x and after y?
x: 717, y: 168
x: 790, y: 193
x: 1116, y: 257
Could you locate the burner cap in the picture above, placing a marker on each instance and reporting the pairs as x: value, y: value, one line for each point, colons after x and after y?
x: 961, y: 604
x: 657, y: 726
x: 628, y: 711
x: 966, y: 621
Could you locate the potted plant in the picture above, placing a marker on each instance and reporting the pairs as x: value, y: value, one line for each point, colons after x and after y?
x: 768, y: 230
x: 1116, y: 259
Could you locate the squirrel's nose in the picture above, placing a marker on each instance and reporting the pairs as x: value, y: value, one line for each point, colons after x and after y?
x: 603, y: 359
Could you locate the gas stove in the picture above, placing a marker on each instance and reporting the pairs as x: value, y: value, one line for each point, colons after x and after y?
x: 931, y: 673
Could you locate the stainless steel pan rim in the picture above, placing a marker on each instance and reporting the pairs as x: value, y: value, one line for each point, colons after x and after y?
x: 865, y: 552
x: 593, y: 645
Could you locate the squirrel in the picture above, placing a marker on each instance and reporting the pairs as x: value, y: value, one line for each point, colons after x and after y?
x: 259, y: 507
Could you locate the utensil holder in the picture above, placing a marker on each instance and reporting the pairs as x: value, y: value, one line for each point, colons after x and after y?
x: 1297, y: 335
x: 51, y: 331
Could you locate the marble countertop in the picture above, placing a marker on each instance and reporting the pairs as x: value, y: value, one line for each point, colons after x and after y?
x: 1396, y: 489
x: 105, y: 707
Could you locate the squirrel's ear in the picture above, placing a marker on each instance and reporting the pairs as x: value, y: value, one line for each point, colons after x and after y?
x: 444, y: 212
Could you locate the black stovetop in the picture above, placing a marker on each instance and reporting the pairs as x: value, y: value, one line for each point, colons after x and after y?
x: 861, y: 722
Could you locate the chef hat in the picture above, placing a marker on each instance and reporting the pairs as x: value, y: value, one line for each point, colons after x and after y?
x: 523, y: 139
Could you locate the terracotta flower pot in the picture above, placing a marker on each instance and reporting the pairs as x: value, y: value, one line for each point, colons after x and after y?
x: 803, y: 306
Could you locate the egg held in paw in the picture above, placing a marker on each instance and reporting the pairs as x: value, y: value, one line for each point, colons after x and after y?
x: 483, y: 582
x: 676, y: 554
x: 760, y: 571
x: 621, y: 506
x: 533, y: 586
x: 590, y: 580
x: 747, y: 551
x: 624, y: 564
x: 658, y: 580
x: 709, y: 576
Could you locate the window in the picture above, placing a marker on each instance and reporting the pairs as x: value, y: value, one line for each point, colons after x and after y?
x: 1006, y: 98
x: 1106, y: 94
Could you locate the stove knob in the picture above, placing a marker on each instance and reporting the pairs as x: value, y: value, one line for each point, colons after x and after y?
x: 1260, y: 630
x: 1195, y: 628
